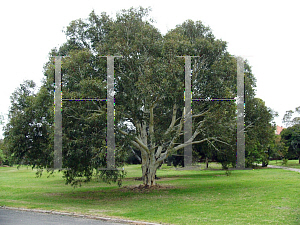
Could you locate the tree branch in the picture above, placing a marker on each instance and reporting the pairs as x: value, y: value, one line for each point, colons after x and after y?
x: 136, y: 155
x: 178, y: 132
x: 200, y: 114
x: 159, y: 149
x: 141, y: 147
x: 137, y: 143
x: 173, y: 119
x: 151, y: 126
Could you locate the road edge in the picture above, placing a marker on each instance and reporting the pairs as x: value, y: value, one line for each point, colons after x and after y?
x: 115, y: 220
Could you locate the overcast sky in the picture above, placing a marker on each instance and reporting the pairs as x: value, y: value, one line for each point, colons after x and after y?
x: 266, y: 33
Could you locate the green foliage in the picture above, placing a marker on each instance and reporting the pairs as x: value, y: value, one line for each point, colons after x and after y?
x: 2, y: 157
x: 5, y: 157
x: 227, y: 157
x: 278, y: 149
x: 285, y: 162
x: 112, y: 176
x: 259, y: 132
x: 28, y: 131
x: 227, y: 172
x: 291, y: 138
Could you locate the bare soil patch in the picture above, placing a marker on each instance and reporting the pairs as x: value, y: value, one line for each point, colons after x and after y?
x: 143, y: 188
x: 158, y: 178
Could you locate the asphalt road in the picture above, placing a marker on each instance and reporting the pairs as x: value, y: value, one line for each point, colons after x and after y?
x: 16, y: 217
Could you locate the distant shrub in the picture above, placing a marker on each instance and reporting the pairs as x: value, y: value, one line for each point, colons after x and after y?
x: 284, y: 162
x: 2, y: 157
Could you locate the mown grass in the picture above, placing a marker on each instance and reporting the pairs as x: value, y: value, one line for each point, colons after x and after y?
x: 260, y: 196
x: 290, y: 163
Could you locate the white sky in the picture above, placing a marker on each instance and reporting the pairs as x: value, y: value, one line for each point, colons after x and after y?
x: 264, y: 32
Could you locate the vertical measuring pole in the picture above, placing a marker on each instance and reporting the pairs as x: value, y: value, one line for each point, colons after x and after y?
x: 240, y: 114
x: 188, y: 113
x: 57, y: 115
x: 110, y: 114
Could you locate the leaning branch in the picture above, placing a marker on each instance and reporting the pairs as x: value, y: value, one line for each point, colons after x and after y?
x: 173, y: 119
x: 151, y: 125
x: 136, y: 155
x: 188, y: 143
x: 201, y: 114
x: 178, y: 133
x: 137, y: 142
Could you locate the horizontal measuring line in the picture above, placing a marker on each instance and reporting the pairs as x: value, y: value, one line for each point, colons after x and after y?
x: 213, y: 99
x: 83, y: 99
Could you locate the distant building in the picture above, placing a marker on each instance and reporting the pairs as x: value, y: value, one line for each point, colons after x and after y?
x: 278, y: 130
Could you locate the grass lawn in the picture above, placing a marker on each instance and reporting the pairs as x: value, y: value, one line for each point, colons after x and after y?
x: 260, y: 196
x: 290, y: 163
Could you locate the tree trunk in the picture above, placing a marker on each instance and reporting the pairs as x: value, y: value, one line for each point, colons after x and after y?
x: 149, y: 168
x: 149, y: 176
x: 149, y: 172
x: 299, y: 160
x: 206, y: 161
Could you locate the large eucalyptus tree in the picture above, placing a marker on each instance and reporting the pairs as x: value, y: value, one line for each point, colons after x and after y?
x: 149, y: 92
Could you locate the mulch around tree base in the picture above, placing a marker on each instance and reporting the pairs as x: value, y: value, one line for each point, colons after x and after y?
x: 145, y: 188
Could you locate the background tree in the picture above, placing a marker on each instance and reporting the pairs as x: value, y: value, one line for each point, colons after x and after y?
x: 26, y: 133
x: 288, y: 119
x: 278, y: 149
x: 260, y: 131
x: 291, y: 138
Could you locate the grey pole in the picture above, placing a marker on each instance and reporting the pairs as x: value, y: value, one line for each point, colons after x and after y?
x: 188, y: 113
x: 110, y: 114
x: 240, y: 114
x: 57, y: 115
